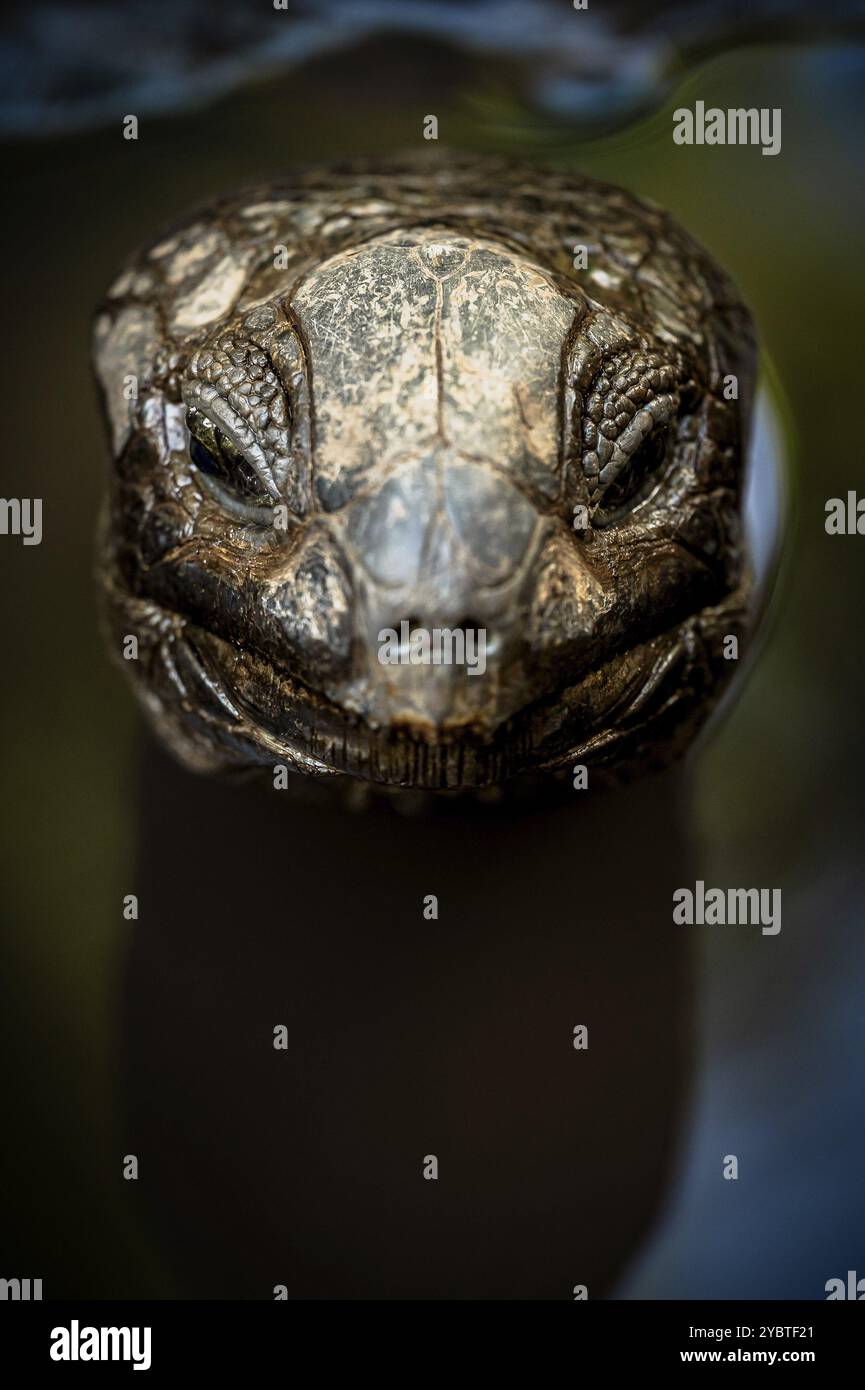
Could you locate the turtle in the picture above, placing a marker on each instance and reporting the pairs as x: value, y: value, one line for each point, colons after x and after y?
x: 378, y: 417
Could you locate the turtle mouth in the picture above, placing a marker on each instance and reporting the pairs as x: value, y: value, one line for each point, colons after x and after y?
x: 277, y: 717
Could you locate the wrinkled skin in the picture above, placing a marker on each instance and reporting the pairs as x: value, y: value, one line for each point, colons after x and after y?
x: 373, y: 395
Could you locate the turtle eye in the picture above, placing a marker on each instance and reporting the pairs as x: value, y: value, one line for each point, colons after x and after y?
x: 628, y: 429
x: 634, y: 483
x: 203, y: 458
x: 227, y: 473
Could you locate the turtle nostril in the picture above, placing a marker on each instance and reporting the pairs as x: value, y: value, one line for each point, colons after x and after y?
x: 436, y: 642
x: 478, y: 633
x: 404, y: 628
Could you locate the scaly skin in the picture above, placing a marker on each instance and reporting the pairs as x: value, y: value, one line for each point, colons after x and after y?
x: 400, y: 388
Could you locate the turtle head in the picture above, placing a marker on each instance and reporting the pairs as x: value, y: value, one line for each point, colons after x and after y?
x: 421, y: 504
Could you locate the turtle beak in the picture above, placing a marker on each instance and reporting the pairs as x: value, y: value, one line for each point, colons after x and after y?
x: 438, y: 557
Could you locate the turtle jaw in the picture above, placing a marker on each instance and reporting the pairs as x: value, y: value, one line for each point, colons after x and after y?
x: 637, y: 710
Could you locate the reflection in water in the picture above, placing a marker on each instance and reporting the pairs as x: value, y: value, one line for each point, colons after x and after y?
x: 406, y: 1038
x: 597, y: 67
